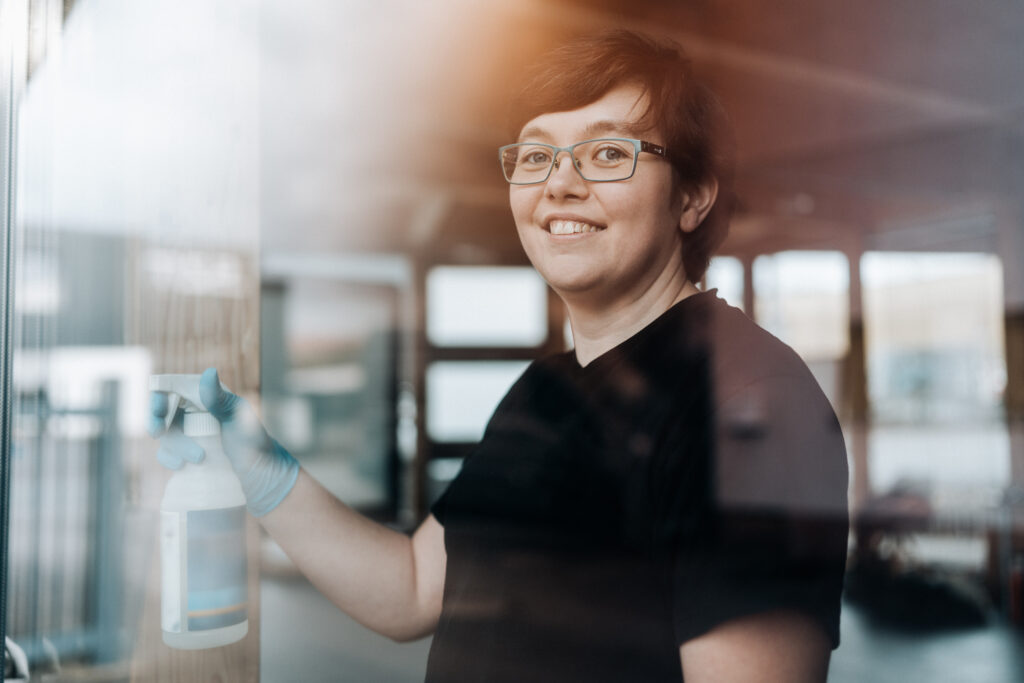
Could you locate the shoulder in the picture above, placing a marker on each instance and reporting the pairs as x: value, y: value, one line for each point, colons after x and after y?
x: 746, y: 355
x: 779, y: 441
x: 741, y: 359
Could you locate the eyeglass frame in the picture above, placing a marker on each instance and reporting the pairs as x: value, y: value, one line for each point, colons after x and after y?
x: 638, y: 146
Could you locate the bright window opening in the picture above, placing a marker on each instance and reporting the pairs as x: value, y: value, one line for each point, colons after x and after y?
x: 461, y: 395
x: 802, y: 297
x: 933, y: 327
x: 934, y: 335
x: 486, y: 306
x: 725, y: 274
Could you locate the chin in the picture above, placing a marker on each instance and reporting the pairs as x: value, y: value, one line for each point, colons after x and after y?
x: 570, y: 287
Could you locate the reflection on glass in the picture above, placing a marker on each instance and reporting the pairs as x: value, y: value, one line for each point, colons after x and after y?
x: 481, y: 306
x: 725, y: 273
x: 461, y: 395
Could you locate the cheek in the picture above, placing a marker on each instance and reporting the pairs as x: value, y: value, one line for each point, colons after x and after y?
x: 640, y: 207
x: 522, y: 203
x: 659, y: 204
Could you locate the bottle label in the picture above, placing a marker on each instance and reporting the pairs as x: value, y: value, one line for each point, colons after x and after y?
x: 204, y: 569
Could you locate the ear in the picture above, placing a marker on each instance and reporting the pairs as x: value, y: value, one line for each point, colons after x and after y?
x: 697, y: 202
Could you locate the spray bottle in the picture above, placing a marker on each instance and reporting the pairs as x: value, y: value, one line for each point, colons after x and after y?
x: 204, y: 599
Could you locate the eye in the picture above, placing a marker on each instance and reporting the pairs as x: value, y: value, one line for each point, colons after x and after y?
x: 611, y: 154
x: 535, y: 156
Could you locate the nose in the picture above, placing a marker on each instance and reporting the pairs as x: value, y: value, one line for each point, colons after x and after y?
x: 565, y: 179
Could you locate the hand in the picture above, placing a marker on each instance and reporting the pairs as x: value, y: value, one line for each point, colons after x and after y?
x: 266, y: 471
x: 175, y: 448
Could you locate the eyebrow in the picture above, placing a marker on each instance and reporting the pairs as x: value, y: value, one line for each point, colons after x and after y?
x: 591, y: 130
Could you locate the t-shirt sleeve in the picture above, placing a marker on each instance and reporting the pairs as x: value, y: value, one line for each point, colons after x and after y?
x: 773, y: 534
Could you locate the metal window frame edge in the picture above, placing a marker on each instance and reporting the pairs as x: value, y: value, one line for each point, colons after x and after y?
x: 14, y: 16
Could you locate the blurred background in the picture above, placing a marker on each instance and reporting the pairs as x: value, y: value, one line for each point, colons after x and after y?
x: 306, y: 195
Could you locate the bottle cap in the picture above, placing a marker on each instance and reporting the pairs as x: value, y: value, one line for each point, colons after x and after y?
x: 183, y: 391
x: 201, y: 424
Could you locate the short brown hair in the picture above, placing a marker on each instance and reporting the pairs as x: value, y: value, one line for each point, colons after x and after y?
x: 697, y: 133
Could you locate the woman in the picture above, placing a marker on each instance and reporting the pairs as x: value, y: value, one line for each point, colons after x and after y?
x: 665, y: 502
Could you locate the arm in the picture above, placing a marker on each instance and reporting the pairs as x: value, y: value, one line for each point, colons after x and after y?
x: 383, y: 579
x: 774, y: 647
x: 780, y: 550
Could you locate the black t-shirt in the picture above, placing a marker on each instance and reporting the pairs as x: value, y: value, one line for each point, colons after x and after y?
x: 693, y: 474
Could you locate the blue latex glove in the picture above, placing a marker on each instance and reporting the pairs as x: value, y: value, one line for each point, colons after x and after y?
x: 175, y: 448
x: 266, y: 470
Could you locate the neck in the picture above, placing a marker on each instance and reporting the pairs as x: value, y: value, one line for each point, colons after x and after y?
x: 596, y: 331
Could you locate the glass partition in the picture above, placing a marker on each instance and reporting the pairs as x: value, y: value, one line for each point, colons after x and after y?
x: 135, y: 251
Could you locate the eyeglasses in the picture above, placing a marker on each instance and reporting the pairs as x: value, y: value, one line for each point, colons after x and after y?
x: 603, y: 160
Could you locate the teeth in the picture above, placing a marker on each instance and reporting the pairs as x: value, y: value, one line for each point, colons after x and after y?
x: 559, y: 227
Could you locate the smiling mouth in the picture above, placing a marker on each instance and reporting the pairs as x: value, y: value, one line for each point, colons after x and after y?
x: 560, y: 227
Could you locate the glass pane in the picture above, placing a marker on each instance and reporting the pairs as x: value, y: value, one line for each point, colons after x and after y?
x: 725, y: 274
x: 137, y: 251
x: 461, y: 395
x: 481, y: 306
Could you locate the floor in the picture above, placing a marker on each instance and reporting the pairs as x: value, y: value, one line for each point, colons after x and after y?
x: 304, y: 637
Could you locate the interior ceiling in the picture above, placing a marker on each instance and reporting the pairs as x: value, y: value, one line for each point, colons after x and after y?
x: 381, y: 121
